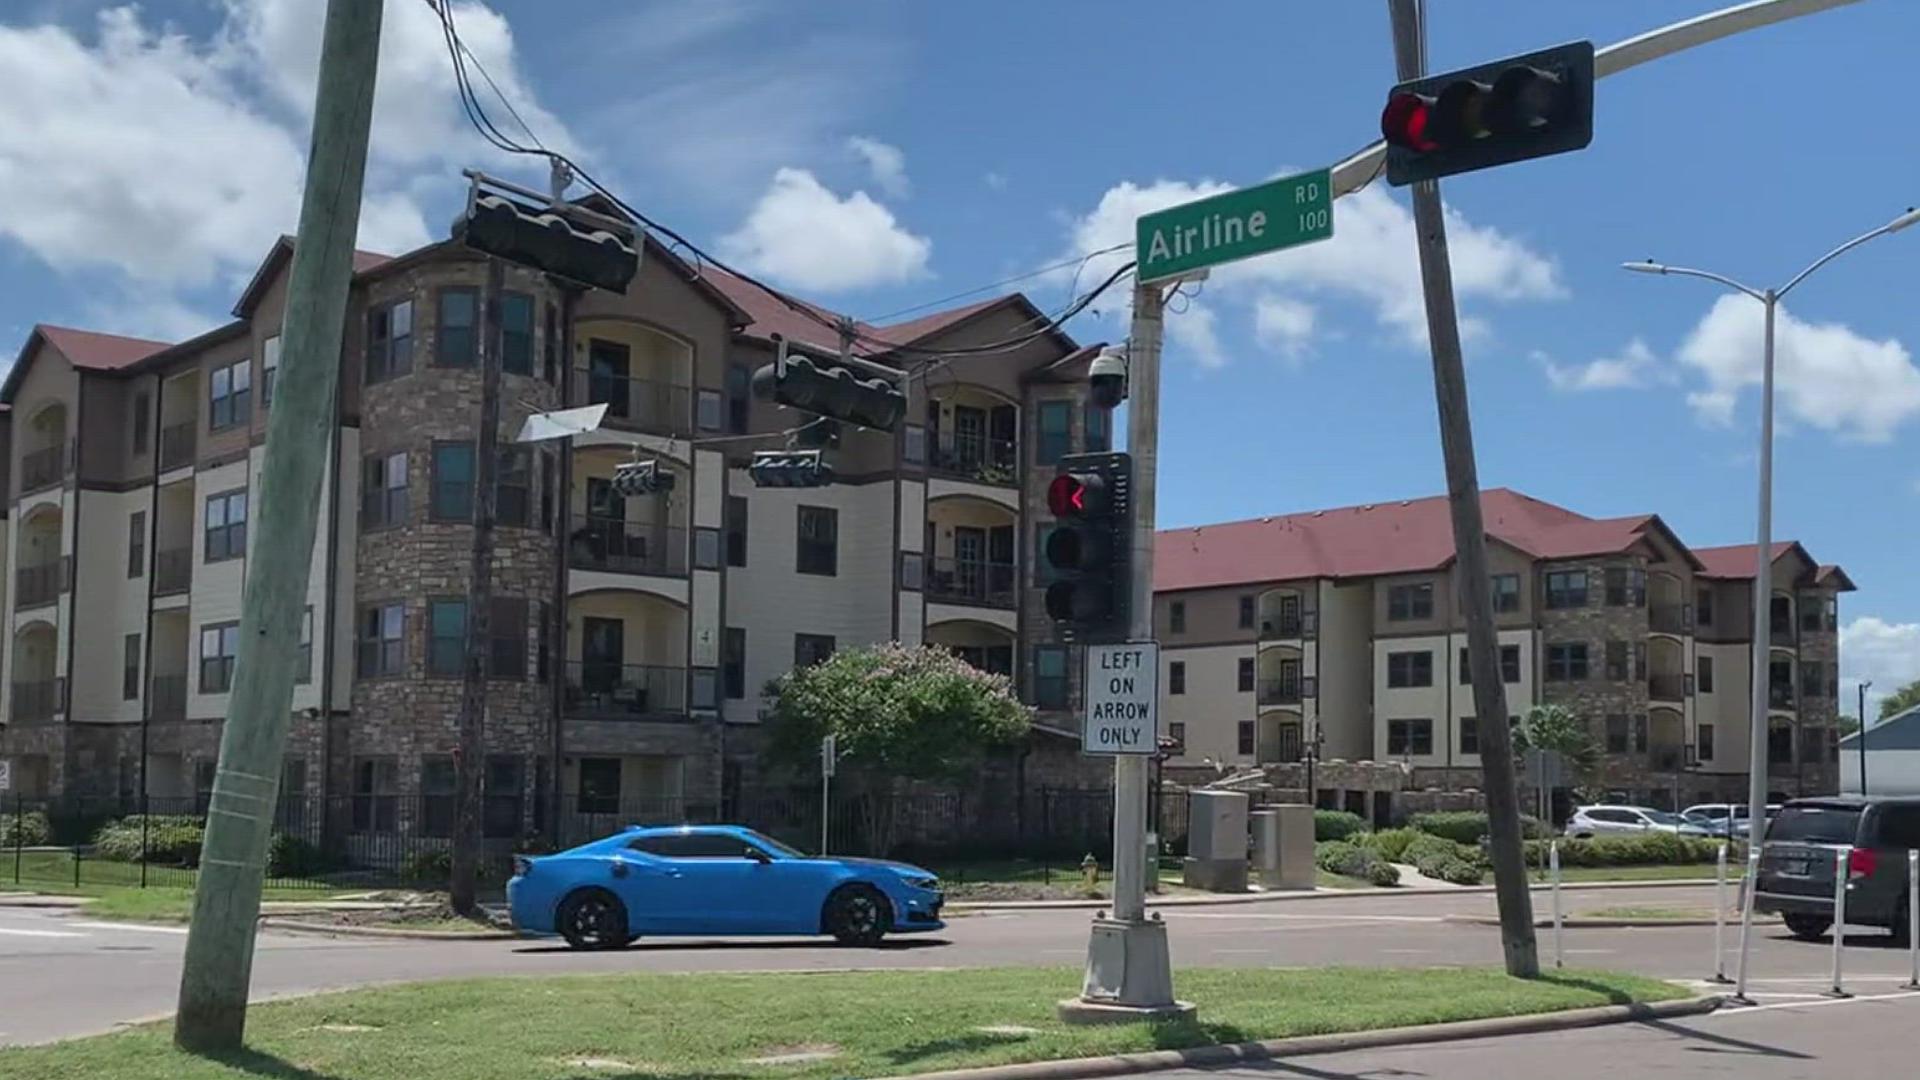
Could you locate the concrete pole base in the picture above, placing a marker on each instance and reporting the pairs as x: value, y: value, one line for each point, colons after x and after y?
x: 1129, y: 977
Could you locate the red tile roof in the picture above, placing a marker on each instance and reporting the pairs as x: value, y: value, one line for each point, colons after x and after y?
x: 97, y: 351
x: 1735, y: 561
x: 769, y: 316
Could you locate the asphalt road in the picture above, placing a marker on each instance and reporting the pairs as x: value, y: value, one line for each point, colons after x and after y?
x: 63, y: 975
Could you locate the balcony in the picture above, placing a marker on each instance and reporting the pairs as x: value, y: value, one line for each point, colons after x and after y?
x: 1667, y: 687
x: 599, y: 690
x: 1780, y: 696
x: 1666, y: 758
x: 1670, y: 618
x: 627, y: 547
x: 971, y: 581
x: 1782, y: 634
x: 176, y: 446
x: 971, y: 456
x: 172, y: 571
x: 42, y: 468
x: 34, y: 586
x: 35, y: 700
x: 167, y: 697
x: 1279, y: 691
x: 636, y: 403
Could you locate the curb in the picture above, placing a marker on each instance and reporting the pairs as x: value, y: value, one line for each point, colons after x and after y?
x: 1301, y: 1046
x: 958, y: 907
x: 39, y: 900
x: 1582, y: 922
x: 275, y: 922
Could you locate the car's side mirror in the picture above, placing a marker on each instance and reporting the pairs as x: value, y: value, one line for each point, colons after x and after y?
x: 758, y: 856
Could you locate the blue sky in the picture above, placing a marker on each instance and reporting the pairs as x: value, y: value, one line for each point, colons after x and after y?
x: 878, y: 155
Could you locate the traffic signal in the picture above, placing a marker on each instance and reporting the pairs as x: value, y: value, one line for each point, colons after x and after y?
x: 1522, y: 107
x: 547, y: 240
x: 858, y: 392
x: 1091, y: 499
x: 789, y: 469
x: 641, y: 478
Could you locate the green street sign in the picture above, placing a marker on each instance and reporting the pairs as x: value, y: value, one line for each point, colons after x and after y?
x: 1235, y: 225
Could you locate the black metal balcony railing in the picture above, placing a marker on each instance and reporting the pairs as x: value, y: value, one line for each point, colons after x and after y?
x: 971, y: 581
x: 599, y: 690
x: 1670, y: 618
x: 1781, y: 634
x: 176, y: 445
x: 172, y: 571
x: 42, y: 468
x: 627, y: 547
x: 1666, y: 758
x: 168, y: 699
x: 1780, y: 696
x: 1280, y: 691
x: 36, y: 699
x: 1281, y: 628
x: 976, y: 457
x: 1667, y: 687
x: 36, y: 585
x: 636, y: 403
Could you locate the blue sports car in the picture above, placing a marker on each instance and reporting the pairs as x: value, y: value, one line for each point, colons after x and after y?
x: 714, y: 880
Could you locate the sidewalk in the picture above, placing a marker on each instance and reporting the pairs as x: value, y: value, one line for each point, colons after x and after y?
x: 960, y: 907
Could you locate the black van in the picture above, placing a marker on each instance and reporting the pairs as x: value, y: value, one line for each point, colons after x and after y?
x: 1797, y: 862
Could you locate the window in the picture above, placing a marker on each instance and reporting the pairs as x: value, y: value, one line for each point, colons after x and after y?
x: 1246, y: 613
x: 1509, y: 665
x: 1567, y: 662
x: 383, y: 491
x: 1056, y: 431
x: 446, y: 638
x: 304, y: 672
x: 1810, y: 613
x: 382, y: 641
x: 1703, y: 605
x: 1640, y: 733
x: 219, y: 644
x: 1617, y: 734
x: 1099, y: 424
x: 1703, y: 669
x: 1409, y: 737
x: 389, y: 341
x: 1410, y: 602
x: 1246, y: 737
x: 1177, y: 617
x: 507, y: 639
x: 740, y: 399
x: 1705, y: 738
x: 542, y: 648
x: 810, y: 649
x: 1832, y: 607
x: 550, y: 346
x: 736, y: 530
x: 130, y: 669
x: 1177, y: 732
x: 456, y: 334
x: 1506, y: 593
x: 513, y: 488
x: 549, y: 486
x: 913, y: 444
x: 142, y: 421
x: 1640, y: 661
x: 1177, y: 677
x: 1626, y: 586
x: 438, y: 783
x: 733, y: 663
x: 1566, y: 589
x: 913, y: 571
x: 226, y: 521
x: 375, y: 795
x: 230, y: 400
x: 452, y: 498
x: 1469, y: 736
x: 1050, y: 680
x: 1617, y: 661
x: 502, y: 788
x: 706, y: 410
x: 137, y: 543
x: 1246, y: 674
x: 818, y: 549
x: 706, y: 549
x: 269, y: 367
x: 1409, y: 669
x: 1813, y: 679
x: 516, y: 333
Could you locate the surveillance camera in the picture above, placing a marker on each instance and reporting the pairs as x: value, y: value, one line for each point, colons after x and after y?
x: 1107, y: 378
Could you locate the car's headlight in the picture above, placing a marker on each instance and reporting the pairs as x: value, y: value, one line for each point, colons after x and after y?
x: 931, y: 884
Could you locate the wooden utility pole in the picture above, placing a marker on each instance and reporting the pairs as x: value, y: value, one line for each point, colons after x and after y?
x: 469, y: 760
x: 219, y: 958
x: 1470, y: 540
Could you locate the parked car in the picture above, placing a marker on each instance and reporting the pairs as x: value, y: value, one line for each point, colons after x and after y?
x: 1588, y: 822
x: 1798, y: 855
x: 715, y: 880
x: 1723, y: 819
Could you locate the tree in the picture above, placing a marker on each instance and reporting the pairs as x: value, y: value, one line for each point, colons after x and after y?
x: 1560, y: 729
x: 1900, y: 700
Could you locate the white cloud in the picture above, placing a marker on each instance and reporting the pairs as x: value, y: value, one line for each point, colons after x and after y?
x: 887, y: 164
x: 807, y: 236
x: 1636, y: 366
x: 1195, y: 331
x: 995, y: 181
x: 1886, y: 654
x: 1370, y: 259
x: 1283, y: 324
x: 1827, y: 376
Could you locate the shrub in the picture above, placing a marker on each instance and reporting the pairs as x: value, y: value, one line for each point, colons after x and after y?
x: 1457, y: 871
x: 168, y: 840
x: 1390, y: 843
x: 1354, y: 861
x: 1337, y: 824
x: 1443, y: 859
x: 1655, y: 848
x: 291, y: 857
x: 23, y: 830
x: 1469, y: 826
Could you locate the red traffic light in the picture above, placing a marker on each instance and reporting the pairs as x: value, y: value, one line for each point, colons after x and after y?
x: 1406, y: 120
x: 1073, y: 495
x: 1522, y: 107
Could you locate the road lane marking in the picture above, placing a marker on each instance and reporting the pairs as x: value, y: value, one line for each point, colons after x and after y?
x: 141, y: 928
x: 1315, y: 918
x: 1743, y: 1010
x: 39, y: 933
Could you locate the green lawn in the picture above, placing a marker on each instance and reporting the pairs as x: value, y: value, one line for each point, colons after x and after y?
x: 1025, y: 879
x: 1650, y: 914
x: 1665, y: 872
x: 713, y: 1026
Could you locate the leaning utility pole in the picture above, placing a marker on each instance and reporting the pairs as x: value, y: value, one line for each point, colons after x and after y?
x: 219, y: 959
x: 1469, y: 538
x: 470, y: 760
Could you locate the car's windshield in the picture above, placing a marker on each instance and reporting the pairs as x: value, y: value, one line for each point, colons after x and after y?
x: 1662, y: 817
x: 775, y: 846
x: 1816, y: 824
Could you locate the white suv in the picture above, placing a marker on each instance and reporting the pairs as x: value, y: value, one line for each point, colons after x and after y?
x: 1592, y: 821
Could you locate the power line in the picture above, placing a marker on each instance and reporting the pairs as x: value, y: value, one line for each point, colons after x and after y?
x: 1081, y: 260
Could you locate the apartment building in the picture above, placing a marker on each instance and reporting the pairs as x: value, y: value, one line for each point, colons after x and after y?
x: 631, y: 637
x: 1342, y: 630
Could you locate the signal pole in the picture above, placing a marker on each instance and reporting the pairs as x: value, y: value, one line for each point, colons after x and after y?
x: 1469, y: 538
x: 219, y: 959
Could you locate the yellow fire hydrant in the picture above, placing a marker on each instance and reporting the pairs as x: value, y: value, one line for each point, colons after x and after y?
x: 1090, y: 870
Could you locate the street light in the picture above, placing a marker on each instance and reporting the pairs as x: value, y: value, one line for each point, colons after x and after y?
x: 1763, y: 573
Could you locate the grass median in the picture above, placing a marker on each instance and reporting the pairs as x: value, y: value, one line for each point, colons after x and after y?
x: 841, y: 1024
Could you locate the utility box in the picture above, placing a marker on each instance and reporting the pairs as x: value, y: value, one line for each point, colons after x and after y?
x: 1216, y: 841
x: 1293, y: 866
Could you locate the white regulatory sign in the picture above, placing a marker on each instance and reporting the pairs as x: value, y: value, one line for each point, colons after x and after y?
x: 1123, y: 698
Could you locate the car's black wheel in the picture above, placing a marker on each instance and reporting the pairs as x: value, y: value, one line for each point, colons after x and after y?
x: 594, y: 919
x: 858, y: 915
x: 1807, y: 927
